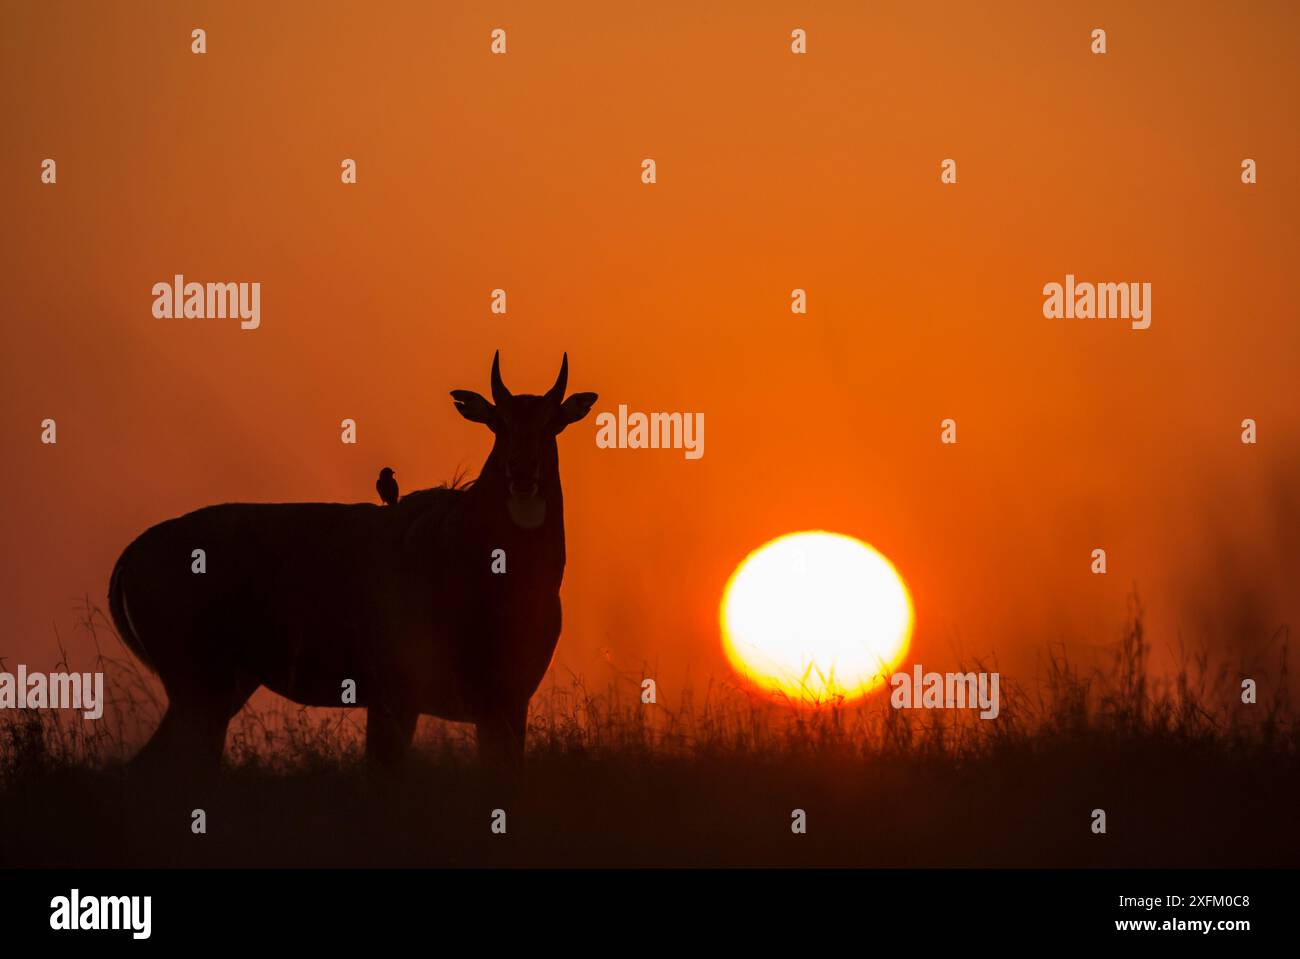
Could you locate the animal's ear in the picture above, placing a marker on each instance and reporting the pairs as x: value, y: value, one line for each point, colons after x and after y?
x: 576, y: 407
x: 473, y: 407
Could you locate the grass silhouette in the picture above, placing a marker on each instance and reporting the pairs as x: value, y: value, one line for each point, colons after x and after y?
x: 1187, y: 774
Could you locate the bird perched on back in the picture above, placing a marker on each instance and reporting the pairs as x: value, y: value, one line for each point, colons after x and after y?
x: 386, y: 486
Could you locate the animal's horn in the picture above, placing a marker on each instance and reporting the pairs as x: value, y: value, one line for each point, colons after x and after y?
x: 499, y: 392
x: 556, y: 392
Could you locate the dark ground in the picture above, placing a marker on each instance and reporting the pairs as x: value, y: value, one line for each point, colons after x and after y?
x: 1188, y: 776
x: 1166, y: 806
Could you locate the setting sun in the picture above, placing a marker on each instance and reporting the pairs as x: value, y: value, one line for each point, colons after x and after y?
x: 816, y: 616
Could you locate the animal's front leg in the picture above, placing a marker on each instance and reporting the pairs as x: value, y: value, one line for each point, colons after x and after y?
x: 501, y: 734
x: 390, y: 728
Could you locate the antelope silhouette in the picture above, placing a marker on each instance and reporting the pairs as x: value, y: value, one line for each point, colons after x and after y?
x: 402, y: 600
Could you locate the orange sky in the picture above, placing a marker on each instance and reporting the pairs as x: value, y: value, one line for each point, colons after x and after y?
x: 775, y: 171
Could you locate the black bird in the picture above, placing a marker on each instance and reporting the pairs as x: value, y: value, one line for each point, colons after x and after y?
x: 387, y: 486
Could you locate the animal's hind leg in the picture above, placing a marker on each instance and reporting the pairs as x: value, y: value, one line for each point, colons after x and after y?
x: 389, y: 731
x: 164, y: 743
x: 501, y: 735
x: 188, y: 740
x: 192, y: 733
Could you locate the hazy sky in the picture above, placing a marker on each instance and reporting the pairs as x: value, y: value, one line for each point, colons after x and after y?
x: 775, y: 172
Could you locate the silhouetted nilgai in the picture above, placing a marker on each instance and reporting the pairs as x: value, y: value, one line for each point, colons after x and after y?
x: 402, y: 600
x: 386, y: 486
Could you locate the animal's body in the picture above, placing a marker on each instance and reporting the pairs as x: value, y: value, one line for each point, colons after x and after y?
x: 402, y: 600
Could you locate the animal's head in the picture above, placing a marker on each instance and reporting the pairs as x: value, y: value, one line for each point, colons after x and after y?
x: 526, y: 427
x: 386, y: 473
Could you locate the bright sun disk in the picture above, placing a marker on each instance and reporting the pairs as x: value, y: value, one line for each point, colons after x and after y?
x: 816, y: 616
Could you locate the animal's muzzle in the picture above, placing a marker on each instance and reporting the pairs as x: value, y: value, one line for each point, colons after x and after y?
x: 526, y: 512
x: 523, y: 483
